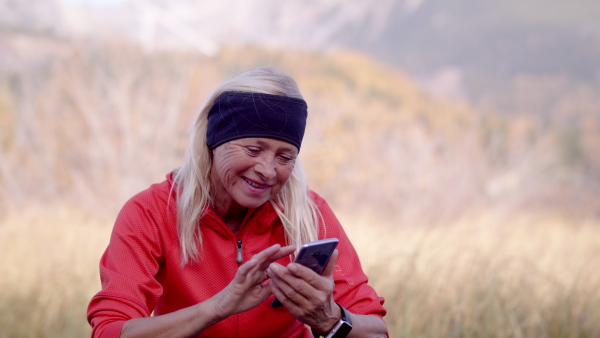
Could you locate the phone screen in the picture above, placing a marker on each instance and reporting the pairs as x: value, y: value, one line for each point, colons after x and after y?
x: 315, y: 255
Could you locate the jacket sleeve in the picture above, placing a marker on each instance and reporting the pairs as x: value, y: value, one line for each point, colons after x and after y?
x: 128, y: 268
x: 351, y: 283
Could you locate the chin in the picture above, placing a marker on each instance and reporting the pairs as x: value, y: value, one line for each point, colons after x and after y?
x: 251, y: 203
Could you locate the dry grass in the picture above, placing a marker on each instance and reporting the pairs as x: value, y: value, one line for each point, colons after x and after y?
x: 485, y: 277
x: 49, y: 272
x: 527, y: 276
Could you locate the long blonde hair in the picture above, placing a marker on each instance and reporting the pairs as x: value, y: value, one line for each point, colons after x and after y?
x: 296, y: 210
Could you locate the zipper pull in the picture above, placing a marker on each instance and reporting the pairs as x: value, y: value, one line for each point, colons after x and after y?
x: 239, y: 259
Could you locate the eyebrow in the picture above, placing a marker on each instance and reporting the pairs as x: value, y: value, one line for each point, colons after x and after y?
x: 287, y: 147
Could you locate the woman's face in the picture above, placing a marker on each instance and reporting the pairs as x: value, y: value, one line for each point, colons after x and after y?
x: 248, y: 172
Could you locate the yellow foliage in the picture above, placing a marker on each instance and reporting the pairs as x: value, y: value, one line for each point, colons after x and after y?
x: 104, y: 123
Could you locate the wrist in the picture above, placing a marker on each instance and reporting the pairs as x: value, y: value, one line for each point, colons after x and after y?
x: 213, y: 310
x: 327, y: 325
x: 340, y: 329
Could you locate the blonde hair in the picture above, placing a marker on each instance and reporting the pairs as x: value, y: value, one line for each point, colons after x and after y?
x: 296, y: 210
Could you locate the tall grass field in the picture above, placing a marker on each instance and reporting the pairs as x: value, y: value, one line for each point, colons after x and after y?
x: 486, y: 276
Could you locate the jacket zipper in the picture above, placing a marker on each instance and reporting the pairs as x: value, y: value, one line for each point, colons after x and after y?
x: 240, y: 258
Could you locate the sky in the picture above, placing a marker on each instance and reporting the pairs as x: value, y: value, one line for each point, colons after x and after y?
x: 95, y: 2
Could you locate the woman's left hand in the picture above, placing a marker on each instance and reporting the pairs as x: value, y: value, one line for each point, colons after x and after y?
x: 308, y: 296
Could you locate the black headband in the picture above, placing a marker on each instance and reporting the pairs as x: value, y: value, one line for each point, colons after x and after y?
x: 236, y: 115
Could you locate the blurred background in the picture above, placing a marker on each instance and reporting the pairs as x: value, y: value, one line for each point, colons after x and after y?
x: 461, y: 136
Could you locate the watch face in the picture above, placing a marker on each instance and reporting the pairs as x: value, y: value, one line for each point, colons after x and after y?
x: 343, y: 330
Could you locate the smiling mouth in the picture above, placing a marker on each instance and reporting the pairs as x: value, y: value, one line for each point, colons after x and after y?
x: 255, y: 185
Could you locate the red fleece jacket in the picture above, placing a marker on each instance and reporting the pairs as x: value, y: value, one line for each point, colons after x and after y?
x: 141, y: 269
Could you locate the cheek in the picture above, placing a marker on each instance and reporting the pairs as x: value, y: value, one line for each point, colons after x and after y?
x: 225, y: 166
x: 229, y: 171
x: 285, y: 173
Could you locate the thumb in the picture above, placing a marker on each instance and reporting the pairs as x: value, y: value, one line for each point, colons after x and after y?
x: 328, y: 271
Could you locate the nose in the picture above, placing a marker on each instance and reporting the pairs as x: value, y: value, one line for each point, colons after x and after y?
x: 265, y: 167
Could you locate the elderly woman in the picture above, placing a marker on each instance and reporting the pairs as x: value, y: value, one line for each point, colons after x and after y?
x: 204, y: 252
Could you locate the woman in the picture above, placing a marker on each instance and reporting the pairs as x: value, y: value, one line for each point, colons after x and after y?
x: 204, y: 252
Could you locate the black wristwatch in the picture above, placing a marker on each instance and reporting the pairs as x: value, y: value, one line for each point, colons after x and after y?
x: 341, y: 328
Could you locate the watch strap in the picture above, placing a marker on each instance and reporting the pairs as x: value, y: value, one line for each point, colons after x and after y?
x: 345, y: 314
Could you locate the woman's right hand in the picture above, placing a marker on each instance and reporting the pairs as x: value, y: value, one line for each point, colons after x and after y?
x: 247, y: 289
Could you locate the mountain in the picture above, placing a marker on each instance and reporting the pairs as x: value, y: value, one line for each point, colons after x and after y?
x: 525, y: 136
x: 523, y: 57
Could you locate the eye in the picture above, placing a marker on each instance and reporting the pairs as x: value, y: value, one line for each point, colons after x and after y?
x: 287, y: 158
x: 253, y: 150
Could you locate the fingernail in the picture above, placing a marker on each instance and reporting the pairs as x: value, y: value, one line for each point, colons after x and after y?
x: 292, y: 267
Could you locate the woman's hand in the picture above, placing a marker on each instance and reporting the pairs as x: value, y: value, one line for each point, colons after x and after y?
x: 305, y: 294
x: 247, y: 290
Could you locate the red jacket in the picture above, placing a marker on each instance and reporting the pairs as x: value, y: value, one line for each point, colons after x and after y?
x: 141, y: 269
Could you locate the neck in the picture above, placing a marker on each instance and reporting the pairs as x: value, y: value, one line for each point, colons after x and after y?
x: 231, y: 213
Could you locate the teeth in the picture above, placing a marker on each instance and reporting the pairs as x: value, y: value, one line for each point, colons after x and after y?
x: 255, y: 185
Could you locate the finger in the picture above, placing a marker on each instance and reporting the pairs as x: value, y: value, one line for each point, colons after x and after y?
x: 269, y: 255
x: 311, y: 277
x: 275, y: 272
x: 287, y: 286
x: 265, y: 291
x: 261, y: 268
x: 257, y: 265
x: 261, y: 257
x: 250, y: 267
x: 300, y: 283
x: 282, y: 252
x: 274, y: 283
x: 266, y: 253
x: 277, y: 287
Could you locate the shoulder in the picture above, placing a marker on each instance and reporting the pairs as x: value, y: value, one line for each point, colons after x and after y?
x: 330, y: 224
x: 317, y: 199
x: 149, y: 211
x: 323, y: 207
x: 154, y: 195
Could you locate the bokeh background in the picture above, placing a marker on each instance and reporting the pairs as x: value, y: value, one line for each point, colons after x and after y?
x: 457, y: 140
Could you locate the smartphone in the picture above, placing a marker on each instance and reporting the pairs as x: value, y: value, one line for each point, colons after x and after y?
x: 313, y: 255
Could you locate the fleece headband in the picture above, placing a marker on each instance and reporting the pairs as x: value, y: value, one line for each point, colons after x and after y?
x: 236, y: 115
